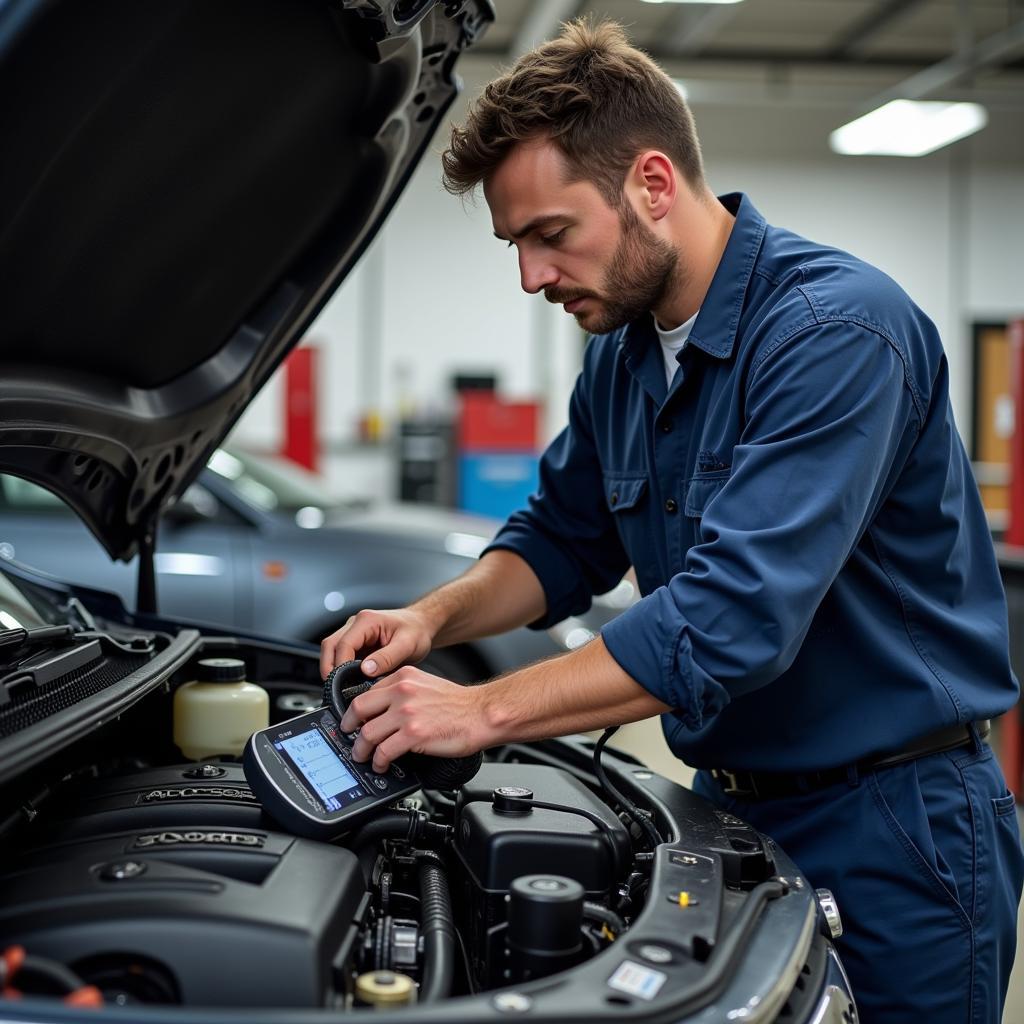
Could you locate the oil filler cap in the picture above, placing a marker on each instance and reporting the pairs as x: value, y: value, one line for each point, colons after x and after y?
x: 512, y: 800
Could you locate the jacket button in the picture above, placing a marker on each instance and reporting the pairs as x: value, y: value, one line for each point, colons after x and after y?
x: 666, y: 427
x: 671, y: 505
x: 614, y: 498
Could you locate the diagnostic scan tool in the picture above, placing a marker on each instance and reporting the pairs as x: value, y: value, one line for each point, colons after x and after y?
x: 304, y: 775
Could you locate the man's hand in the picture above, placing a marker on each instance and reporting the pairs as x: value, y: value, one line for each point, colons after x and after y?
x: 386, y: 640
x: 496, y: 594
x: 413, y: 711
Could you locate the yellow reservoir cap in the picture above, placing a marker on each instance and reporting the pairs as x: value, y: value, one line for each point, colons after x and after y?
x: 385, y: 988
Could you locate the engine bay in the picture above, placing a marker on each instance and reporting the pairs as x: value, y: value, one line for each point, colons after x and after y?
x: 563, y: 877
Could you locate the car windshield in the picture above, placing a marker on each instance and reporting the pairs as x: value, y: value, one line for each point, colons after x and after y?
x: 270, y: 484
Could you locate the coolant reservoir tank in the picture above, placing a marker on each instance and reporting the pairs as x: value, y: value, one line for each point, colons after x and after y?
x: 219, y: 710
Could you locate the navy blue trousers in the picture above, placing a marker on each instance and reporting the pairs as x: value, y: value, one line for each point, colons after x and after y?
x: 925, y: 862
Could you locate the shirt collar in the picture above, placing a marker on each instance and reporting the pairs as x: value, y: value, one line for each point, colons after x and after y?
x: 719, y: 318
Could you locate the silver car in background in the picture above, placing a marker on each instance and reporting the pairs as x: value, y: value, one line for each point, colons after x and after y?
x: 258, y: 544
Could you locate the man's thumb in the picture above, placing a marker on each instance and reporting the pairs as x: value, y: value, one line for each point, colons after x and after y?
x: 386, y: 660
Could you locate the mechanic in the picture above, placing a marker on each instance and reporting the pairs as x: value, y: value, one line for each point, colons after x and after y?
x: 762, y: 429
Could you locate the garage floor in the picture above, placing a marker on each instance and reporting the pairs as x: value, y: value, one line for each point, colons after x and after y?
x: 645, y: 741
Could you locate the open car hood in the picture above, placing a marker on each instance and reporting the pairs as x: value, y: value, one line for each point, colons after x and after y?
x: 184, y: 186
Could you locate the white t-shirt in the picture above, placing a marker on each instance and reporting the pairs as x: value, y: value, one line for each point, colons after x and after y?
x: 672, y: 343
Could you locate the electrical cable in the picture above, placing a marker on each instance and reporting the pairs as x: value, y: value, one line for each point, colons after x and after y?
x: 471, y: 984
x: 635, y: 813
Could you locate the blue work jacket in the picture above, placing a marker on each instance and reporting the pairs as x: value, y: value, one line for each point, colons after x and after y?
x: 818, y: 578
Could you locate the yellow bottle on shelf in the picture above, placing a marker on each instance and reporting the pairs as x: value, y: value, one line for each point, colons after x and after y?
x: 218, y: 711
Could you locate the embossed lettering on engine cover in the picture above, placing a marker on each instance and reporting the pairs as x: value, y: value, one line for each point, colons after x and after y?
x: 198, y: 792
x: 194, y: 837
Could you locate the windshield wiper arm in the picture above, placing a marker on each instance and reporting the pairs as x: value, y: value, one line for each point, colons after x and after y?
x: 19, y: 637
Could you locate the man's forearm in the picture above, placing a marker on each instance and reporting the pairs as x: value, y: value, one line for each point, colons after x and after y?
x: 413, y: 710
x: 498, y: 593
x: 576, y: 692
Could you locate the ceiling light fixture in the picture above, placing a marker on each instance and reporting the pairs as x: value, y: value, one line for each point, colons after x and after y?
x: 908, y: 128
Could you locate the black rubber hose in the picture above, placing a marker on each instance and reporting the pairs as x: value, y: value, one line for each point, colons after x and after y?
x: 411, y: 826
x: 436, y: 927
x: 408, y: 826
x: 390, y: 825
x: 50, y: 972
x: 604, y: 915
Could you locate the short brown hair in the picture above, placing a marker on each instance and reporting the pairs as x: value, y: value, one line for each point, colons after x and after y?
x: 598, y: 98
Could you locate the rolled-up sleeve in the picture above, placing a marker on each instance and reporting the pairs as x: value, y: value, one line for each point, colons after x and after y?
x: 566, y: 534
x: 829, y: 419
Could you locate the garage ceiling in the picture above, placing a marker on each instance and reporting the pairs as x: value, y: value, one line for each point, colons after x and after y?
x: 905, y: 33
x: 956, y: 48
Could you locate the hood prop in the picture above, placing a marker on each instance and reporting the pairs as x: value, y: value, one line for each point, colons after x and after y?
x: 145, y: 598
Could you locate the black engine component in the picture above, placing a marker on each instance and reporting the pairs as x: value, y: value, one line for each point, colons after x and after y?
x: 497, y: 842
x: 392, y: 944
x: 180, y: 866
x: 544, y: 935
x: 499, y: 839
x: 256, y: 921
x: 196, y: 795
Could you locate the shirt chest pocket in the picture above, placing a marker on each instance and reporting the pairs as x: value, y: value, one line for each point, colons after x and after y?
x: 701, y: 491
x: 626, y: 499
x: 624, y: 493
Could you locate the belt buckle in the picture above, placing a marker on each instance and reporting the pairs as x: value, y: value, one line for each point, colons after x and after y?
x: 730, y: 786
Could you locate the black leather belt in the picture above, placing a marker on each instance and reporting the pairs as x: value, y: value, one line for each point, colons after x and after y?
x: 766, y: 785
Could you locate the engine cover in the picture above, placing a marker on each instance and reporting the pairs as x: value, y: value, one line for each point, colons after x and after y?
x: 192, y: 794
x: 215, y: 910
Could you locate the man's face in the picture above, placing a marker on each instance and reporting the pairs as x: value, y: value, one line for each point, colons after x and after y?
x: 604, y: 265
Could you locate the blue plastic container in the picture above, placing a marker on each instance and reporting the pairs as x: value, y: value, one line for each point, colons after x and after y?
x: 497, y: 483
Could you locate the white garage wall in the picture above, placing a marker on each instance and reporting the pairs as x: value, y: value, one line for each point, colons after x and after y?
x: 437, y: 293
x: 995, y: 244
